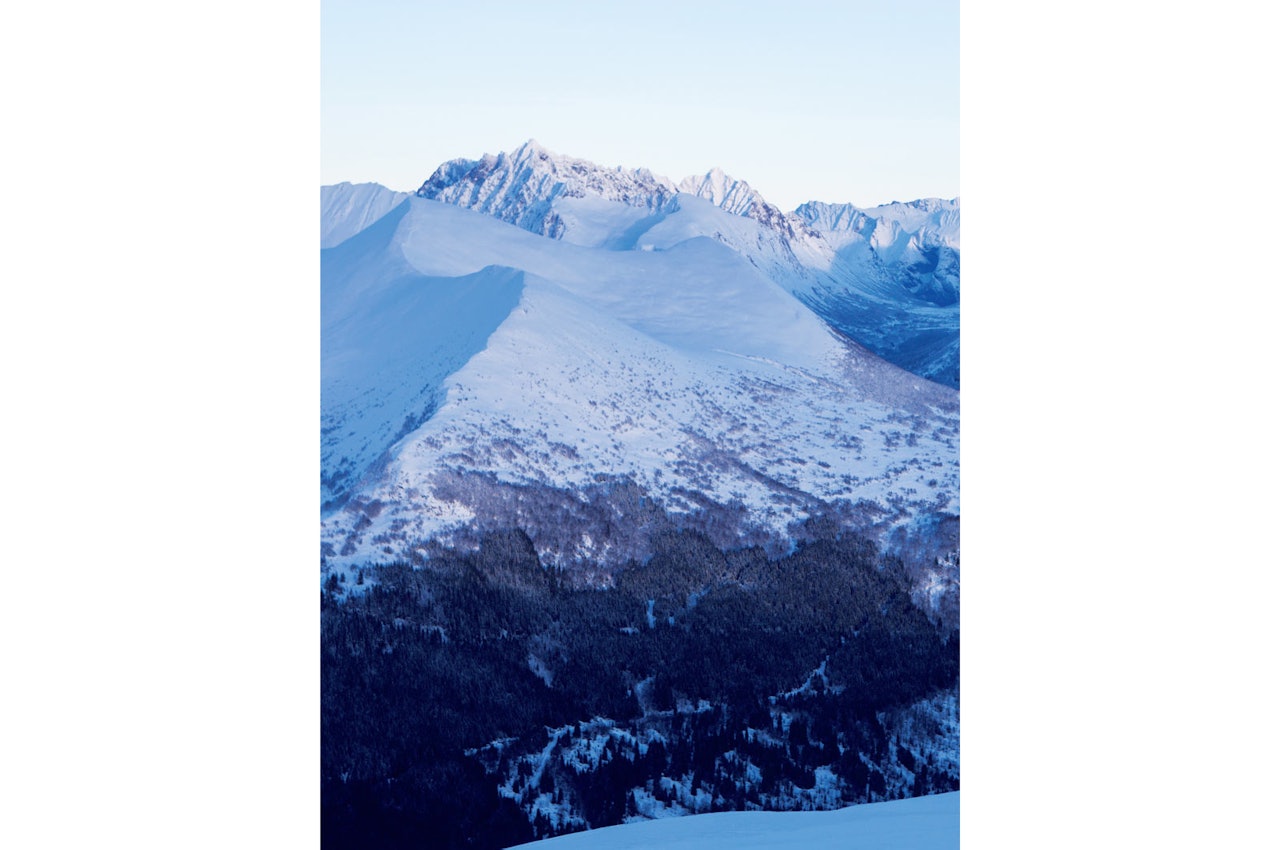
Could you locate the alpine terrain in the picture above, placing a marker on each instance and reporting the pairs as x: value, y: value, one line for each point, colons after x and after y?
x: 638, y: 498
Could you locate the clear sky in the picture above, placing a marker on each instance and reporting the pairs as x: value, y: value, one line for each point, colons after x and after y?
x: 832, y: 100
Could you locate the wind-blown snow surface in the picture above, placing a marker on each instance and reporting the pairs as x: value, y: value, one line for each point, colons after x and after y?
x: 346, y: 209
x: 920, y: 823
x: 886, y: 276
x: 464, y: 357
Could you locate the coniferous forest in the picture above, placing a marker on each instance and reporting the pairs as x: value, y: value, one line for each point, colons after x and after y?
x: 481, y: 699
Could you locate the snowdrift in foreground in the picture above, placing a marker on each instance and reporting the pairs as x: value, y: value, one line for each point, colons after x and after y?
x: 921, y: 823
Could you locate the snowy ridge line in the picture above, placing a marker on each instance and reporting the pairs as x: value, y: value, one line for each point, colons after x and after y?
x: 347, y: 209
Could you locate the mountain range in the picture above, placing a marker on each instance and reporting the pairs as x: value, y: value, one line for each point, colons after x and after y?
x: 638, y: 498
x: 531, y: 329
x: 887, y: 276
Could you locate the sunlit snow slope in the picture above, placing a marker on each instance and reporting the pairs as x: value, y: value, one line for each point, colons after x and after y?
x: 467, y: 361
x: 920, y: 823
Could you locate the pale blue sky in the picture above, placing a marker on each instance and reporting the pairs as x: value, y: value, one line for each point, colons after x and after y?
x: 833, y: 100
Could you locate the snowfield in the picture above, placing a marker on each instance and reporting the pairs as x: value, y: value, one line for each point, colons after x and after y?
x: 920, y: 823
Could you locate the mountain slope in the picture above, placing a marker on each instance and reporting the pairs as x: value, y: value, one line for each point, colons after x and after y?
x: 375, y: 386
x: 685, y: 371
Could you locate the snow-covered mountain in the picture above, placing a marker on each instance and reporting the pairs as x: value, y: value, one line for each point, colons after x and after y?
x: 528, y: 186
x: 920, y: 238
x: 610, y: 503
x: 471, y: 367
x: 920, y: 823
x: 888, y: 277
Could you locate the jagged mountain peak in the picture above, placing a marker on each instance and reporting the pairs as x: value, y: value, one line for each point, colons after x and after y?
x: 533, y: 155
x: 836, y: 218
x: 577, y: 174
x: 520, y: 187
x: 737, y: 197
x: 532, y: 146
x: 731, y: 195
